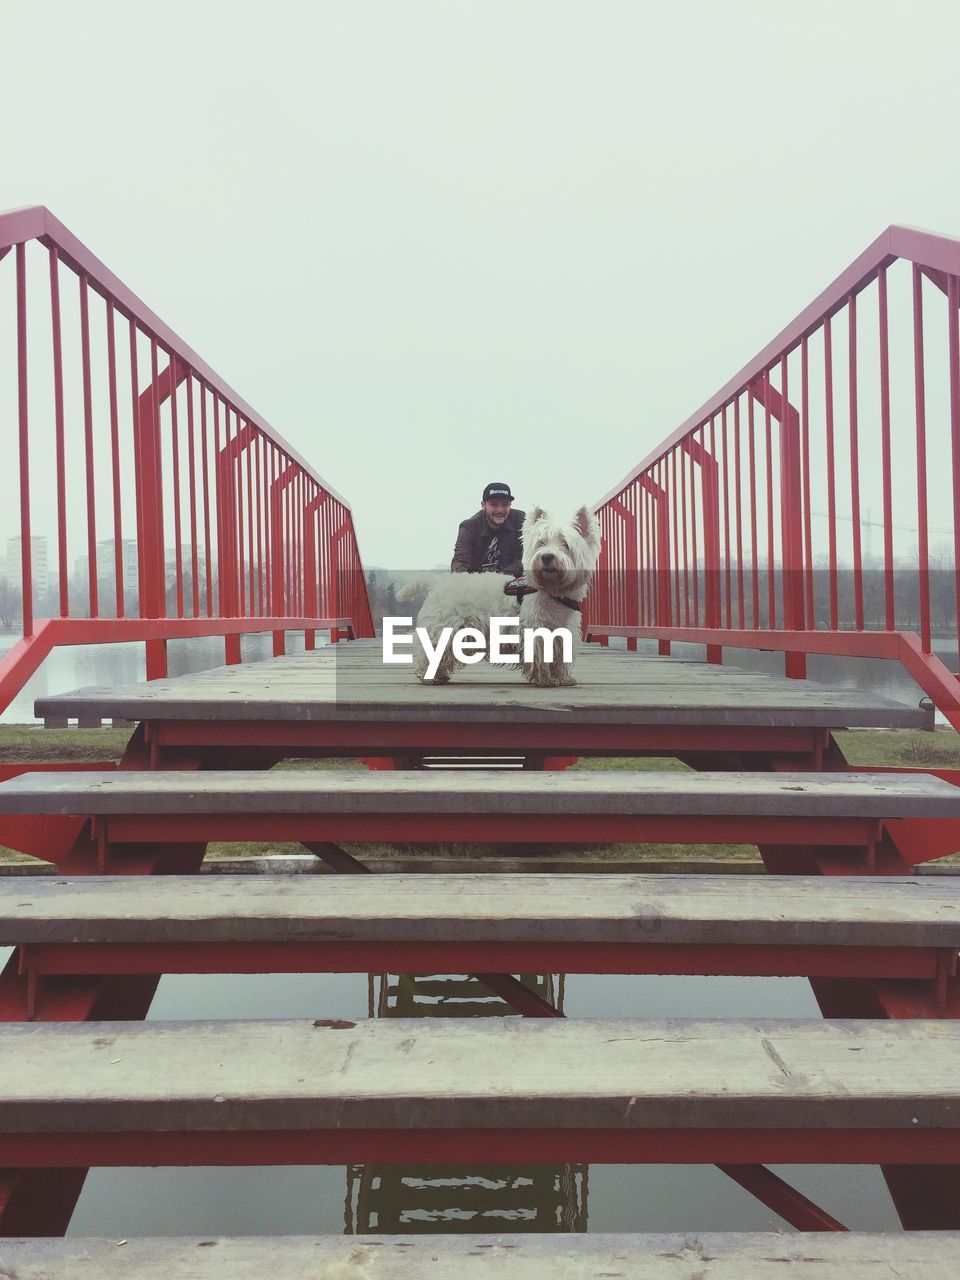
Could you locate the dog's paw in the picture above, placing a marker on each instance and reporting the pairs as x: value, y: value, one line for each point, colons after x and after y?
x: 439, y: 678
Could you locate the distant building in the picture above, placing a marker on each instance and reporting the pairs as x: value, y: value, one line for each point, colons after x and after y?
x: 106, y: 563
x: 13, y: 565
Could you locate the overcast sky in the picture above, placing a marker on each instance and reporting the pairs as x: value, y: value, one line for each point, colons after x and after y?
x: 441, y: 243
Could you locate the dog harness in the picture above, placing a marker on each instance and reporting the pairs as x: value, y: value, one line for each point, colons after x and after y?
x: 520, y: 587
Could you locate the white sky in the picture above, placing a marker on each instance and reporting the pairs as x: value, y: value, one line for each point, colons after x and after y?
x: 437, y: 243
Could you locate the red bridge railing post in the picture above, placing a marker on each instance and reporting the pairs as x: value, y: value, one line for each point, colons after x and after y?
x: 311, y: 570
x: 777, y: 403
x: 336, y: 573
x: 710, y: 489
x: 630, y: 569
x: 279, y: 550
x: 660, y: 557
x: 149, y: 493
x: 230, y: 532
x: 26, y: 542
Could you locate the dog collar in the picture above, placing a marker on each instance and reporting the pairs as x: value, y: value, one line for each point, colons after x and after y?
x: 520, y: 587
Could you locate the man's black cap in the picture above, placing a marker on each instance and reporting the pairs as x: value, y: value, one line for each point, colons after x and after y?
x: 496, y: 490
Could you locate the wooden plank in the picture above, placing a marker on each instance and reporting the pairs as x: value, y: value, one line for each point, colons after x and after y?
x: 408, y: 1075
x: 487, y: 792
x: 661, y: 909
x: 911, y: 1255
x: 349, y: 682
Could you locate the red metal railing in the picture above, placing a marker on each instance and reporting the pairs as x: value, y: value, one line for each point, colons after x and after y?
x: 751, y: 525
x: 128, y: 443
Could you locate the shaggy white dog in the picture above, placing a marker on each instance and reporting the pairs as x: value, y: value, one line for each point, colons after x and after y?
x: 558, y: 561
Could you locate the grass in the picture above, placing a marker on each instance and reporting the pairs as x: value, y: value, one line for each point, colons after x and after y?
x: 29, y: 742
x: 909, y: 748
x: 866, y: 747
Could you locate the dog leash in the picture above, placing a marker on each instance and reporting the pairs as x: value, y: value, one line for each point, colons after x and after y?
x: 520, y: 587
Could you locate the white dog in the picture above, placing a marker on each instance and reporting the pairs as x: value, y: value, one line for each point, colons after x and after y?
x: 558, y: 562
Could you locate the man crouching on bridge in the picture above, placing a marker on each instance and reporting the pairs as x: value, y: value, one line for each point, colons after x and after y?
x: 489, y: 542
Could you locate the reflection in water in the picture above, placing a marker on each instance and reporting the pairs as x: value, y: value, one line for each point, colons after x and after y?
x: 454, y: 995
x: 448, y: 1199
x: 416, y: 1199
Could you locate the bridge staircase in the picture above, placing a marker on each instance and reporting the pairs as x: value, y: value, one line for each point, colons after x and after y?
x: 752, y: 759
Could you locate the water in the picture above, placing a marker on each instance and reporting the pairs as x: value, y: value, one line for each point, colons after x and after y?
x: 320, y: 1200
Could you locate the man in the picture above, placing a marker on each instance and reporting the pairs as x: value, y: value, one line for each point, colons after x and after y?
x: 489, y: 542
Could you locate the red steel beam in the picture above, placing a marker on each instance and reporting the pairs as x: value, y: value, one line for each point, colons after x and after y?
x: 380, y: 737
x: 858, y: 834
x: 919, y: 963
x: 783, y: 1199
x: 905, y: 1147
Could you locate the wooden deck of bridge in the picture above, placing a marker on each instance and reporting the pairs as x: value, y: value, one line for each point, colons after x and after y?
x: 873, y: 1083
x: 343, y: 699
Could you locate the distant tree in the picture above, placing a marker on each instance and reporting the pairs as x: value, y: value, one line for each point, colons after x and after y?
x: 11, y: 605
x: 382, y: 594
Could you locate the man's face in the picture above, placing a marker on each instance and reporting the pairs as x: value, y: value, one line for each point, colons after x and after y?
x: 496, y: 510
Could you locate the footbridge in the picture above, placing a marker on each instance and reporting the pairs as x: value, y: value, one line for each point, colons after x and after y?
x: 749, y: 531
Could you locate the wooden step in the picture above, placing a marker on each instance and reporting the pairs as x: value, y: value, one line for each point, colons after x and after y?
x: 683, y: 909
x: 882, y: 912
x: 591, y: 792
x: 911, y: 1255
x: 813, y: 926
x: 596, y: 806
x: 613, y: 1091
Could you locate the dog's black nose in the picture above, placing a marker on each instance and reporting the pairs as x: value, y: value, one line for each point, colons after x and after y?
x: 548, y: 560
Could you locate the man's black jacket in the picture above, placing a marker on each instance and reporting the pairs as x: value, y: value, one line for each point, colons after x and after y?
x: 473, y: 541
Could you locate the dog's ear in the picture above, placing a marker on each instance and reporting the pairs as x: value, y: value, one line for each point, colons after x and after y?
x: 587, y: 524
x: 535, y: 514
